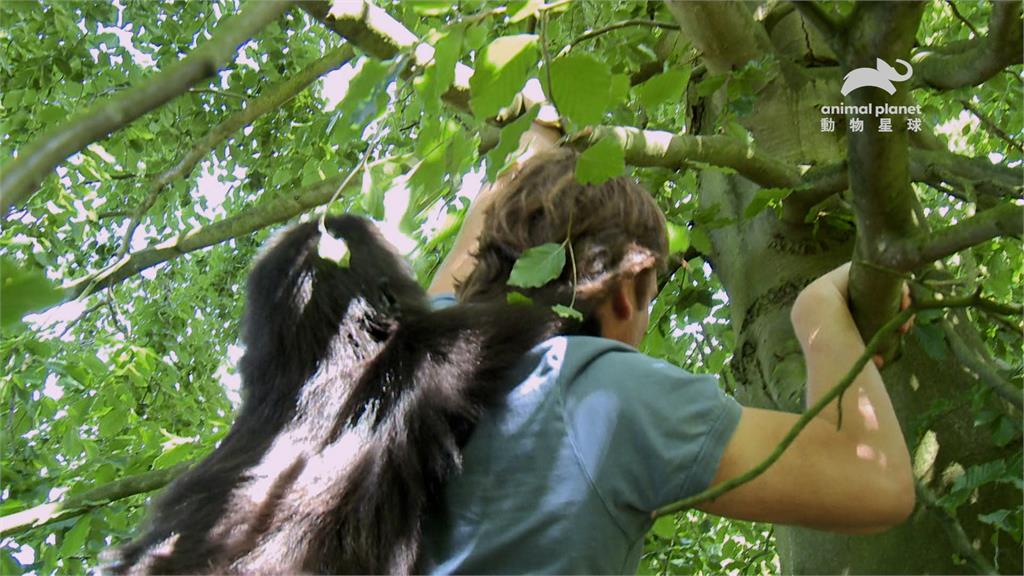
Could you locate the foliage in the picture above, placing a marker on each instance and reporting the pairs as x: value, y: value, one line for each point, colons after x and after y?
x: 140, y: 375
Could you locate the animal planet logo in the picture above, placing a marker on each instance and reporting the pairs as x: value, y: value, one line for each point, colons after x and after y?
x: 882, y: 76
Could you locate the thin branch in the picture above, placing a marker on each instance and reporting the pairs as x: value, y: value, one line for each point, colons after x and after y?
x: 81, y: 503
x: 21, y: 176
x: 979, y: 59
x: 269, y: 100
x: 961, y: 18
x: 912, y: 253
x: 549, y: 92
x: 256, y: 218
x: 992, y: 126
x: 679, y: 151
x: 979, y: 366
x: 993, y: 307
x: 216, y: 92
x: 869, y: 350
x: 966, y: 174
x: 954, y: 530
x: 617, y: 26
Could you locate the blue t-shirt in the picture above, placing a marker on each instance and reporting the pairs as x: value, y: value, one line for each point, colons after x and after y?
x: 562, y: 476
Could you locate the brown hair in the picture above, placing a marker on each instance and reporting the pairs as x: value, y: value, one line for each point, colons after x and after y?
x: 616, y: 229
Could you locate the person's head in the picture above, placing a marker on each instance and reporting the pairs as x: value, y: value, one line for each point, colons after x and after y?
x: 617, y: 235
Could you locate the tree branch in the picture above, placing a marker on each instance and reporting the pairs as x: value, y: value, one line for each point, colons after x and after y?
x: 992, y: 126
x: 972, y: 175
x: 965, y: 177
x: 269, y: 100
x: 979, y: 367
x: 80, y: 504
x: 678, y: 151
x: 873, y: 346
x: 372, y: 30
x: 912, y: 253
x: 726, y: 33
x: 955, y: 531
x: 21, y: 176
x: 878, y: 163
x: 819, y: 183
x: 961, y: 18
x: 246, y: 222
x: 617, y: 26
x: 979, y: 59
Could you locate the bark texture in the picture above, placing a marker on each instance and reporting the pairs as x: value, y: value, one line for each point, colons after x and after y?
x: 764, y: 262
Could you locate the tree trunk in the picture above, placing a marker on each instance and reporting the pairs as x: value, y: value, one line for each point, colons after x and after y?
x: 763, y: 263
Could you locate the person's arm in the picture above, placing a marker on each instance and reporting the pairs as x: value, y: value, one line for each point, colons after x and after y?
x: 459, y: 262
x: 856, y: 479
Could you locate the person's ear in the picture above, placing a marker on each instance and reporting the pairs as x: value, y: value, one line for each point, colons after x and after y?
x: 623, y: 301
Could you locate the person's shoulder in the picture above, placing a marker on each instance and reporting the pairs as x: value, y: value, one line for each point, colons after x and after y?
x: 604, y: 359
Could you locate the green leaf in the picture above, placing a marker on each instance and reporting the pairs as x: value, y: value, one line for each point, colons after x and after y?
x: 74, y: 539
x: 567, y: 312
x: 619, y: 88
x: 665, y: 87
x: 1006, y: 431
x: 508, y: 142
x: 710, y: 84
x: 931, y: 339
x: 23, y: 290
x: 538, y: 266
x: 581, y: 87
x: 502, y: 69
x: 476, y: 35
x: 601, y: 162
x: 700, y: 241
x: 997, y: 518
x: 432, y: 7
x: 518, y: 298
x: 179, y: 453
x: 678, y: 238
x: 763, y: 198
x: 113, y: 422
x: 439, y: 76
x: 522, y: 9
x: 665, y: 527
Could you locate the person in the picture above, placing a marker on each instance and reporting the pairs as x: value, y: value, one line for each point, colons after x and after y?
x: 563, y: 476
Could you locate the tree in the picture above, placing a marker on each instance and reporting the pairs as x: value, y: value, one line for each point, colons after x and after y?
x: 149, y: 150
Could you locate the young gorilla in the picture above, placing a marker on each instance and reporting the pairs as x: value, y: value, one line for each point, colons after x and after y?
x: 358, y: 398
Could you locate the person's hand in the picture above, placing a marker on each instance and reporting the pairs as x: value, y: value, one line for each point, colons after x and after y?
x: 905, y: 327
x: 827, y: 300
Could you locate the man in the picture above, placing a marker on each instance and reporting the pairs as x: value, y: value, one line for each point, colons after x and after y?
x: 563, y: 477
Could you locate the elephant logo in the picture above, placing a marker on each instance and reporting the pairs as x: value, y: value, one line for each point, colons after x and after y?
x: 882, y: 76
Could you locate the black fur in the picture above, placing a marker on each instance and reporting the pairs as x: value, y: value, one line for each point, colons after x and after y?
x: 358, y: 399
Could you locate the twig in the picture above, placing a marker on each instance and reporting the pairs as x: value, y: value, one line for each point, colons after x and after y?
x: 271, y: 98
x: 547, y: 61
x: 21, y: 176
x: 911, y: 253
x: 217, y: 92
x: 77, y: 505
x: 992, y: 126
x: 961, y: 18
x: 975, y: 362
x: 872, y: 346
x: 954, y: 530
x: 616, y: 26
